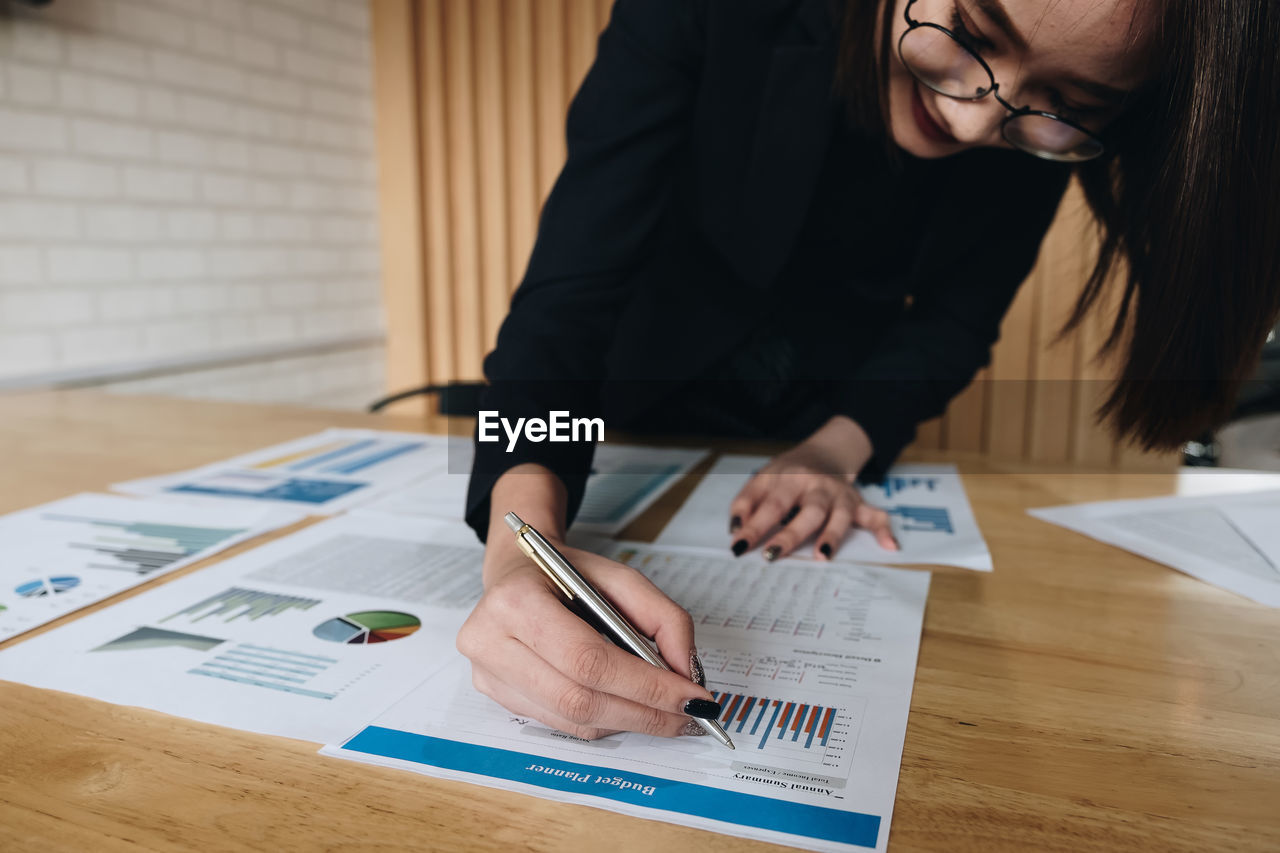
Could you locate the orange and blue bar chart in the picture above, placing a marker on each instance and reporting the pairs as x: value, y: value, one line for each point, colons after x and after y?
x: 775, y: 719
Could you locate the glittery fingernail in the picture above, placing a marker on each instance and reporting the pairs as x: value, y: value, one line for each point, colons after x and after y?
x: 735, y: 523
x: 771, y: 553
x: 696, y: 675
x: 692, y: 729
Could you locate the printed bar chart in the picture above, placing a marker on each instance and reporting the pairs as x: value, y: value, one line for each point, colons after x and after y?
x: 266, y: 487
x: 345, y: 457
x: 327, y: 453
x: 775, y: 719
x: 244, y: 602
x: 926, y: 518
x: 894, y: 485
x: 275, y: 669
x: 379, y: 456
x: 142, y: 547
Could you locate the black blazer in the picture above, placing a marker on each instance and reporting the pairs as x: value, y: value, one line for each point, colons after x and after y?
x: 695, y: 145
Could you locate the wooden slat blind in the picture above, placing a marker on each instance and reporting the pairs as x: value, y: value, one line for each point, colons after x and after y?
x: 472, y: 96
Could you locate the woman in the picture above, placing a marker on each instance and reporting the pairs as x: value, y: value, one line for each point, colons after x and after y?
x: 791, y: 220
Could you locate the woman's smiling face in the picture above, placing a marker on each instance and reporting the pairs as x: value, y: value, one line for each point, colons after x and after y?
x: 1074, y: 58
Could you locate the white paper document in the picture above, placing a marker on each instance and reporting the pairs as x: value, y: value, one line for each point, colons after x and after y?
x: 927, y: 507
x: 813, y: 666
x: 320, y: 474
x: 65, y: 555
x: 625, y: 480
x: 1229, y: 541
x: 308, y: 636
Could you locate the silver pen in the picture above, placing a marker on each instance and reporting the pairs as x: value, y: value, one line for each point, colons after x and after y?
x: 577, y: 588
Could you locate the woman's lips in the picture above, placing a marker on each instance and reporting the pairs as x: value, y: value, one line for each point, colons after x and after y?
x: 929, y: 128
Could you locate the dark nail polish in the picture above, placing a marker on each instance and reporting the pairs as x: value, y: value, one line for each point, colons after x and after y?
x: 739, y: 547
x: 791, y: 514
x: 735, y: 523
x: 771, y: 553
x: 695, y: 669
x: 825, y: 549
x: 704, y: 708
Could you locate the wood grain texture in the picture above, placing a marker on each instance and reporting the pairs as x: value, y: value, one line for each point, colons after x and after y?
x: 400, y: 215
x: 524, y: 195
x: 1078, y: 698
x: 437, y: 234
x: 494, y: 79
x: 551, y: 72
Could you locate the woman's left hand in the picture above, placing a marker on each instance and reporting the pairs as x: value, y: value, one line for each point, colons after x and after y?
x: 807, y: 490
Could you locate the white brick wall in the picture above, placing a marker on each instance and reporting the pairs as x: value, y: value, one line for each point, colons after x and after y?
x: 180, y: 178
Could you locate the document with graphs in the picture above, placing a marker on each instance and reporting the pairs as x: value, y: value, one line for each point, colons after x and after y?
x: 927, y: 507
x: 321, y: 474
x: 813, y: 665
x: 66, y: 555
x: 625, y: 480
x: 307, y: 636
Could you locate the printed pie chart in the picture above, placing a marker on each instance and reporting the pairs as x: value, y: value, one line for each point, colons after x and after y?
x: 368, y: 626
x: 47, y: 586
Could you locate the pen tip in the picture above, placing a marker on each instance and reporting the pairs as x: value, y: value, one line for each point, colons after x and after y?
x: 513, y: 521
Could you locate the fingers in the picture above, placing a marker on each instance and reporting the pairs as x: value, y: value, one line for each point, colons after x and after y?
x: 586, y: 659
x: 744, y: 505
x: 826, y: 507
x: 783, y: 494
x: 808, y: 518
x: 653, y: 614
x: 571, y: 702
x: 520, y: 705
x: 876, y: 521
x: 837, y: 527
x: 531, y: 654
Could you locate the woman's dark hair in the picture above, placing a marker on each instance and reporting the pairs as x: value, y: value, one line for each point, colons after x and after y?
x: 1187, y: 199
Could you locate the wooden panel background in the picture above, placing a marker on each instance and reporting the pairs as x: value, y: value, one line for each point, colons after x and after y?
x: 471, y: 101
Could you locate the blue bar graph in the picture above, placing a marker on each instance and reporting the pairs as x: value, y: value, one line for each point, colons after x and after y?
x: 354, y: 465
x: 331, y: 455
x: 927, y: 518
x: 261, y: 666
x: 894, y: 485
x: 802, y: 724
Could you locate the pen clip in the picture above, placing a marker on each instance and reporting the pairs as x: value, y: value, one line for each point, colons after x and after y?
x: 529, y: 552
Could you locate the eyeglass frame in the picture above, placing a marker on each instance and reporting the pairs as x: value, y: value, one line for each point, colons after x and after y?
x: 1014, y: 112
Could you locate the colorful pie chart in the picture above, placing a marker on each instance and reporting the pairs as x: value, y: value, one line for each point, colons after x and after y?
x: 368, y: 626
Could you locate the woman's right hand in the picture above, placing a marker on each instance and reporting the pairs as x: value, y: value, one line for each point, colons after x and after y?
x: 533, y: 656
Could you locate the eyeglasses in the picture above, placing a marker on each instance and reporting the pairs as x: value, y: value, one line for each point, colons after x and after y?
x: 941, y: 60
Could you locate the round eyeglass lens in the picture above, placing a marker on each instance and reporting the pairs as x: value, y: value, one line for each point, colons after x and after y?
x: 943, y: 64
x: 1050, y: 138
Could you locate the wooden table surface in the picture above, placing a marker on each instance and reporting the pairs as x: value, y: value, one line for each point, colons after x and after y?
x: 1078, y: 698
